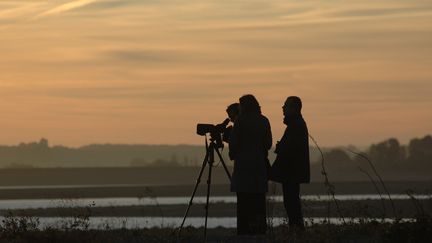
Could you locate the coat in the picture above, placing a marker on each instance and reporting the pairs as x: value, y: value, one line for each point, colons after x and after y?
x: 250, y: 141
x: 292, y: 161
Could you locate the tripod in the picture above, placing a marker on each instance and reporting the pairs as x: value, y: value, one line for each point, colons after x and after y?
x: 209, y: 159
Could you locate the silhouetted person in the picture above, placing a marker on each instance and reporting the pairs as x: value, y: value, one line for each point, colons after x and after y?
x: 250, y: 141
x: 291, y: 166
x: 233, y: 112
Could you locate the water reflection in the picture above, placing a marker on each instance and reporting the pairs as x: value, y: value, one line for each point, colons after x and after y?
x: 148, y: 201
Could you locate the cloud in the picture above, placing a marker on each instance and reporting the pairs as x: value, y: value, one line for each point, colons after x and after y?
x: 371, y: 12
x: 375, y: 91
x: 114, y: 4
x: 137, y: 94
x: 13, y: 11
x: 66, y: 7
x: 143, y: 56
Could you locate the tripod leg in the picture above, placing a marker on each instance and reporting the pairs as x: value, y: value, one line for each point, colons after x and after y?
x: 208, y: 194
x: 223, y: 163
x: 194, y: 191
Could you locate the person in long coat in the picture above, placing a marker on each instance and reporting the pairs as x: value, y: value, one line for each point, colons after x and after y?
x: 250, y: 141
x: 292, y: 166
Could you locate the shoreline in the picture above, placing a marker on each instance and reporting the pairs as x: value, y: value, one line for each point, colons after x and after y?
x: 47, y: 191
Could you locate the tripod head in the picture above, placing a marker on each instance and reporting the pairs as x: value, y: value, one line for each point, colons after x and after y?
x: 215, y: 132
x: 216, y: 141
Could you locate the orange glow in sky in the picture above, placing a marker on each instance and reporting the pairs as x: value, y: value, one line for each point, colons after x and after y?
x: 132, y: 71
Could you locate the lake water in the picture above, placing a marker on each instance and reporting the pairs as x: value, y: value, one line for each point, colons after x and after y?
x: 170, y: 222
x: 148, y: 201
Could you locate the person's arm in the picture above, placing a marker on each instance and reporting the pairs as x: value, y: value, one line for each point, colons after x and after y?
x: 226, y: 134
x: 268, y: 140
x: 234, y: 139
x: 293, y: 140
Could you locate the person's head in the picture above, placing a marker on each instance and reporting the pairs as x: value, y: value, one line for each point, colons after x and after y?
x: 292, y: 106
x: 233, y: 111
x: 249, y: 104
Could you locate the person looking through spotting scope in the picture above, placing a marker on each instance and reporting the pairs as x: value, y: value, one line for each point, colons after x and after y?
x: 292, y: 165
x: 233, y: 111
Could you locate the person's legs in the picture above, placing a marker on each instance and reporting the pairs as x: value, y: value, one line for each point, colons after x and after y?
x: 292, y: 203
x: 260, y: 214
x: 242, y: 214
x: 257, y: 214
x: 251, y: 214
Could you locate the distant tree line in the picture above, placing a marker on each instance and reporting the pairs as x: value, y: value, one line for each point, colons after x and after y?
x: 40, y: 154
x: 386, y: 154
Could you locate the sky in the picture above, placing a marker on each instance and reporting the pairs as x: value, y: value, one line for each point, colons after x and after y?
x: 147, y: 71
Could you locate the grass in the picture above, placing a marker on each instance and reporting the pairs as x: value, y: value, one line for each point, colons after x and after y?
x: 25, y: 229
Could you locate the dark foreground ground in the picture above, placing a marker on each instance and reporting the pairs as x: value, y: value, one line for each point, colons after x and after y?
x: 420, y: 231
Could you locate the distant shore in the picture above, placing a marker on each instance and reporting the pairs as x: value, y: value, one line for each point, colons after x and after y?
x: 152, y: 190
x: 172, y: 176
